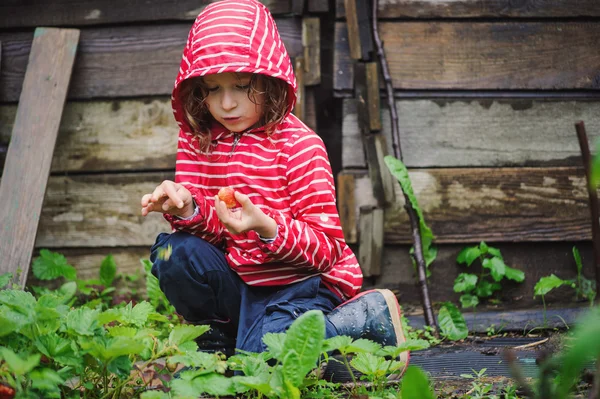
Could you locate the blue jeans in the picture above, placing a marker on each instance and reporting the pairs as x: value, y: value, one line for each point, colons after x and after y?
x: 199, y: 283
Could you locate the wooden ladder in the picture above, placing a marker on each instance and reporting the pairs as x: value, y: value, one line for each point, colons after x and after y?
x: 31, y: 147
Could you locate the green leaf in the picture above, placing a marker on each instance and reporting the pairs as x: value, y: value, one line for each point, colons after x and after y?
x: 337, y: 342
x: 59, y: 349
x: 18, y: 365
x: 408, y: 345
x: 595, y: 168
x: 465, y: 282
x: 51, y: 265
x: 494, y: 252
x: 577, y: 257
x: 20, y: 302
x: 291, y: 369
x: 121, y: 366
x: 547, y: 284
x: 274, y: 343
x: 5, y: 279
x: 496, y: 266
x: 82, y: 321
x: 452, y: 323
x: 588, y: 289
x: 468, y: 255
x: 514, y: 274
x: 415, y: 384
x: 46, y: 380
x: 585, y: 347
x: 186, y: 332
x: 485, y: 289
x: 8, y: 324
x: 306, y: 336
x: 399, y: 171
x: 469, y: 301
x: 107, y: 349
x: 184, y: 389
x: 108, y: 271
x: 214, y: 384
x: 138, y: 315
x: 370, y: 365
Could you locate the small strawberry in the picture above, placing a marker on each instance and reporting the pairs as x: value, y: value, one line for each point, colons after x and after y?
x: 6, y: 392
x: 226, y: 194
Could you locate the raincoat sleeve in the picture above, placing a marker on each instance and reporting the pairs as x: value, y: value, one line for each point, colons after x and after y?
x: 205, y: 224
x: 313, y: 238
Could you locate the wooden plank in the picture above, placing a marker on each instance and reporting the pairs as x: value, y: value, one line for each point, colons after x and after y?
x: 346, y: 202
x: 536, y: 259
x: 481, y: 9
x: 299, y: 108
x: 110, y: 135
x: 298, y: 7
x: 119, y: 135
x: 478, y: 132
x: 311, y: 40
x: 373, y: 100
x: 370, y: 249
x: 365, y: 31
x: 99, y: 211
x: 121, y: 61
x: 318, y: 6
x: 482, y: 55
x: 16, y: 13
x: 30, y: 151
x: 492, y: 204
x: 352, y: 31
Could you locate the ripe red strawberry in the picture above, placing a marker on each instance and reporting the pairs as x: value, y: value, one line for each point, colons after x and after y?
x: 6, y: 392
x: 226, y: 195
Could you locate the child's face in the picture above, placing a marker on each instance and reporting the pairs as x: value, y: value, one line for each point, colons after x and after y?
x: 228, y: 100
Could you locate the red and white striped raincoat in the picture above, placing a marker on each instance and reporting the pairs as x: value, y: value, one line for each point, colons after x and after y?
x: 286, y: 174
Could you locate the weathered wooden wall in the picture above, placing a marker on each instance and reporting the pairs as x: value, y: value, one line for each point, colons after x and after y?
x: 117, y: 138
x: 487, y: 94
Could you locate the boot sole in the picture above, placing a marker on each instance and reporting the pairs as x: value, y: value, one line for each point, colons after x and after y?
x: 396, y: 313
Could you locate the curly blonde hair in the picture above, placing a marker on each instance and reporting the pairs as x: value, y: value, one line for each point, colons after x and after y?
x: 193, y: 93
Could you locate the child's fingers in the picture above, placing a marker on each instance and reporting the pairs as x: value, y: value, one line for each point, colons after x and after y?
x: 241, y: 198
x: 174, y: 199
x: 158, y: 193
x: 146, y: 199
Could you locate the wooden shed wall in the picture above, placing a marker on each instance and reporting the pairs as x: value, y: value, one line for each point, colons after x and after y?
x: 487, y: 94
x: 117, y: 138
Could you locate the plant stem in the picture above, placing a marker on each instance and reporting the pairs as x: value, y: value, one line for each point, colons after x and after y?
x: 414, y: 220
x: 545, y: 319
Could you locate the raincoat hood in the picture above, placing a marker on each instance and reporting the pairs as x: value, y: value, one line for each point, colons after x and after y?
x: 233, y: 36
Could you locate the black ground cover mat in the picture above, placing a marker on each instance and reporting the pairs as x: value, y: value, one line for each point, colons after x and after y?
x: 453, y: 360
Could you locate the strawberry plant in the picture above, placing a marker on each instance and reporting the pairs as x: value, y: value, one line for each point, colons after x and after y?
x: 475, y: 288
x: 583, y: 287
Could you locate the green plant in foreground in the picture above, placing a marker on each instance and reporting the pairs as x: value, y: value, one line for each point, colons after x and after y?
x: 51, y: 349
x: 583, y: 287
x: 475, y: 288
x: 400, y: 172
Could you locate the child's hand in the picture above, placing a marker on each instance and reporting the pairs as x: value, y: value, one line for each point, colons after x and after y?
x: 169, y: 197
x: 248, y: 217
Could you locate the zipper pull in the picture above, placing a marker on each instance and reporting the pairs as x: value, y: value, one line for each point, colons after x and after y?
x: 236, y: 139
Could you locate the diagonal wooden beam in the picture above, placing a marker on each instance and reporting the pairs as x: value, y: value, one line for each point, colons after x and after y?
x: 31, y: 147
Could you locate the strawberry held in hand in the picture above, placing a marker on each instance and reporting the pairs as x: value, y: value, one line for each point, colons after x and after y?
x: 226, y: 194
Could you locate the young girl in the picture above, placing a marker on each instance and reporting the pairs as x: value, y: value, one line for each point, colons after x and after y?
x: 280, y: 252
